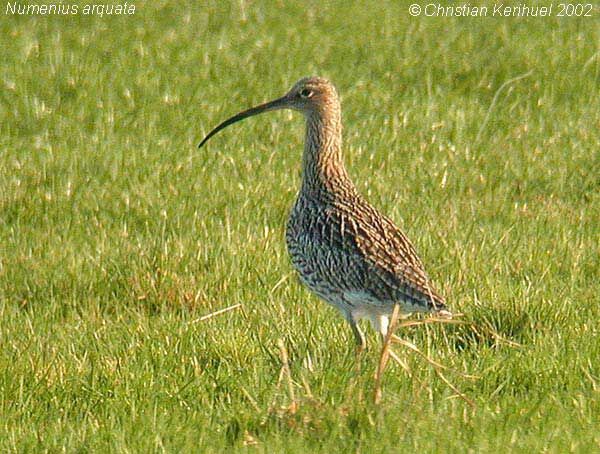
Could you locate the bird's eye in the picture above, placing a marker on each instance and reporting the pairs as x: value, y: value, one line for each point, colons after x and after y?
x: 306, y: 93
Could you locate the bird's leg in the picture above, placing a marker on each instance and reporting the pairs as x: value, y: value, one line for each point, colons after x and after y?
x: 382, y: 324
x: 361, y: 342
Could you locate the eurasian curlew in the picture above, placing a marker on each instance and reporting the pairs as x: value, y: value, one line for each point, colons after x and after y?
x: 345, y: 251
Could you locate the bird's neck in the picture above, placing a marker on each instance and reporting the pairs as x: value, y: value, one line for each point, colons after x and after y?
x: 323, y: 163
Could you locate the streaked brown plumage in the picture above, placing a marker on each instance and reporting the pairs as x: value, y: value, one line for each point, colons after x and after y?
x: 344, y: 250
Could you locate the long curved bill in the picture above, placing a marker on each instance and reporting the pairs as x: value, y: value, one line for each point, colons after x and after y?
x: 279, y: 103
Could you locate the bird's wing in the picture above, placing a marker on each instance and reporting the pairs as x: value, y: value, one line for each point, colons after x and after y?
x: 389, y: 253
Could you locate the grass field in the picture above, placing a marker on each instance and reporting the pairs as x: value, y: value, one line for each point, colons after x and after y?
x: 117, y: 234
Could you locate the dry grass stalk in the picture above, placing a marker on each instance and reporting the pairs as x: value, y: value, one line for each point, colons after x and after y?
x: 285, y: 372
x: 214, y: 314
x: 385, y: 355
x: 387, y: 352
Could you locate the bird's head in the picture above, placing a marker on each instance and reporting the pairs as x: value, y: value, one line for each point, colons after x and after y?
x: 309, y: 95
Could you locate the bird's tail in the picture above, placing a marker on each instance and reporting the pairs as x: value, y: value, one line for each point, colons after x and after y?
x: 438, y: 305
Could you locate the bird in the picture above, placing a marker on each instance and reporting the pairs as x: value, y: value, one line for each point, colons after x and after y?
x: 345, y: 251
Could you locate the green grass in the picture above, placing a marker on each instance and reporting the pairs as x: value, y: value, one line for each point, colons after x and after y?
x: 117, y: 233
